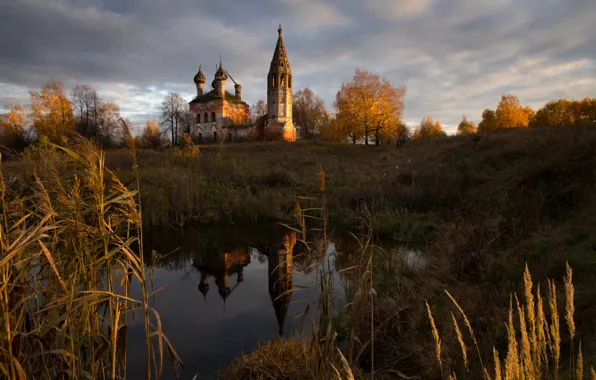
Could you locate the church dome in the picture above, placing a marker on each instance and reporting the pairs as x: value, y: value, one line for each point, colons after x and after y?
x: 221, y: 73
x: 200, y: 77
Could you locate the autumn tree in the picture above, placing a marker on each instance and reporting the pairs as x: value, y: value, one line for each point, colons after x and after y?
x: 367, y: 105
x: 510, y: 114
x: 309, y: 113
x: 51, y: 111
x: 14, y: 127
x: 488, y: 122
x: 151, y: 137
x: 466, y: 127
x: 173, y: 111
x: 428, y: 128
x: 564, y: 113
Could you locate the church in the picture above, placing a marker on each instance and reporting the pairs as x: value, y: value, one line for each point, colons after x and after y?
x: 218, y: 114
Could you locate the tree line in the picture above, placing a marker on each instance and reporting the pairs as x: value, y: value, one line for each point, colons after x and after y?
x: 368, y: 109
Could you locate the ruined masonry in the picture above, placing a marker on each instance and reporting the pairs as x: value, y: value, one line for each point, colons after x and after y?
x: 219, y: 114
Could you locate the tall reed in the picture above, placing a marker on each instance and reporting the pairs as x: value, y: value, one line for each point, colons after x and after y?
x: 70, y: 237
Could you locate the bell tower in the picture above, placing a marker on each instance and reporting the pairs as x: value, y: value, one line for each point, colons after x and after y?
x: 279, y: 95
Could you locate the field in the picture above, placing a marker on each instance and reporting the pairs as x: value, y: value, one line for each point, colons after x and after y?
x: 482, y: 206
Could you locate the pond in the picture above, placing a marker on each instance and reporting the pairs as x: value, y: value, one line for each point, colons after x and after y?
x: 225, y: 290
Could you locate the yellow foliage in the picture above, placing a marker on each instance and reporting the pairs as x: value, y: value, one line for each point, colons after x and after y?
x: 428, y: 128
x: 51, y: 112
x: 563, y: 113
x: 368, y: 105
x: 13, y: 125
x: 466, y: 127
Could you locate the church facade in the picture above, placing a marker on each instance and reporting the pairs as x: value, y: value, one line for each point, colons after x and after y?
x: 218, y: 114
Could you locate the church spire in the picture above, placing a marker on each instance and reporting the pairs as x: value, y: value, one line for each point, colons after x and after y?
x: 280, y: 62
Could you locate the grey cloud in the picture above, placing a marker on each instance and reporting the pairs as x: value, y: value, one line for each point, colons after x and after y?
x: 456, y: 57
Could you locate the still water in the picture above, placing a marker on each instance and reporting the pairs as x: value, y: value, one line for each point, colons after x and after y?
x: 225, y: 290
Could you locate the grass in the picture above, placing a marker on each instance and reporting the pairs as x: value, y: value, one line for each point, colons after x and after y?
x: 480, y: 206
x: 533, y: 341
x: 69, y: 239
x: 285, y: 359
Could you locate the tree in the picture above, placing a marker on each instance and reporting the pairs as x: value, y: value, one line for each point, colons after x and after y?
x: 13, y: 126
x: 259, y: 109
x: 564, y: 113
x: 510, y: 114
x: 488, y: 122
x: 151, y: 137
x: 428, y: 128
x: 173, y: 109
x: 466, y: 127
x: 108, y: 124
x: 51, y: 112
x: 309, y: 113
x: 402, y: 133
x: 368, y: 104
x: 86, y: 108
x: 95, y: 118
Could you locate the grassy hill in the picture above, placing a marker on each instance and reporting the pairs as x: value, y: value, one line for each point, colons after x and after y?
x: 482, y: 206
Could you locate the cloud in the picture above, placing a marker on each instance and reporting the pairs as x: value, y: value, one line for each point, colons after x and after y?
x: 455, y: 56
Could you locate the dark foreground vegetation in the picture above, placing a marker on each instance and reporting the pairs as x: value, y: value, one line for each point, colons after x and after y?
x: 481, y: 205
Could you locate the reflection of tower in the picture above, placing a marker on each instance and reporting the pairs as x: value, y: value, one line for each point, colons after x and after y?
x: 204, y: 285
x: 280, y: 281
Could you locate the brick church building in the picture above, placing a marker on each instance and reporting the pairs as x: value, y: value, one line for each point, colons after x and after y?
x: 220, y: 115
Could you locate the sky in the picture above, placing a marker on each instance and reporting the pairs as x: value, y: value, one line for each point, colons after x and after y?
x: 456, y: 57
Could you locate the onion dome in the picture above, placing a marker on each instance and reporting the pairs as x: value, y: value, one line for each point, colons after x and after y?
x: 221, y: 73
x: 200, y: 77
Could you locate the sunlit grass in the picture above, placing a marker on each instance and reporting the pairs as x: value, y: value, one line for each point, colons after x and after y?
x: 70, y: 243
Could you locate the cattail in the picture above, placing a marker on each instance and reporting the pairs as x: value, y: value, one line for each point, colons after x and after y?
x: 289, y: 242
x: 298, y: 213
x: 436, y: 336
x: 579, y: 367
x: 554, y: 326
x: 569, y: 307
x: 460, y: 339
x: 498, y: 375
x: 321, y: 177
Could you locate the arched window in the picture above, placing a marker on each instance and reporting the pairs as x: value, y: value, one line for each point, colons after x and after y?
x: 289, y: 81
x: 205, y: 118
x: 273, y: 81
x: 213, y: 117
x: 198, y: 118
x: 281, y: 83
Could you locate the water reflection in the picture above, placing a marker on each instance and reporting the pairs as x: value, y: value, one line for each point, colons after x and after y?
x: 221, y: 266
x: 280, y: 280
x: 227, y: 288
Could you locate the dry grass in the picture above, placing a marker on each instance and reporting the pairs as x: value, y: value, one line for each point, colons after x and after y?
x: 69, y: 256
x: 286, y: 359
x: 532, y: 355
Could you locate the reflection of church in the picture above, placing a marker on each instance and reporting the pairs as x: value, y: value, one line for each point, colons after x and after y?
x: 222, y: 266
